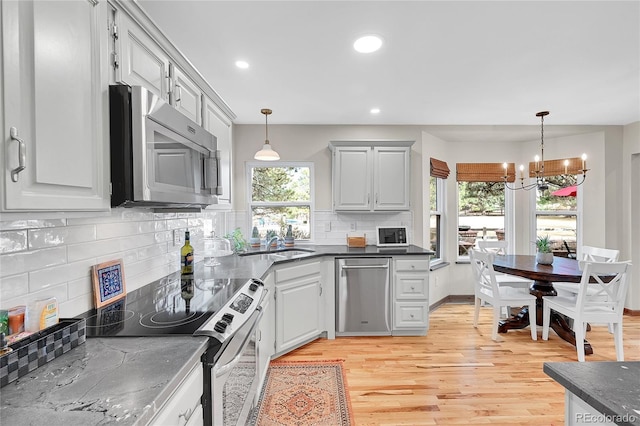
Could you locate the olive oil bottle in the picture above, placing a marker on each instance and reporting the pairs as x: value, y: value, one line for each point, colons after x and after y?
x: 186, y: 255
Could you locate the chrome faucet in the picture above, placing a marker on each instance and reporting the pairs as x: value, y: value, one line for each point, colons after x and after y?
x: 276, y: 239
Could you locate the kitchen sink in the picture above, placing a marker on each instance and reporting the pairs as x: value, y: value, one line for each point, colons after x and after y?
x: 281, y: 254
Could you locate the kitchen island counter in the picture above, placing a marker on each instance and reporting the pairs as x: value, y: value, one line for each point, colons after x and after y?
x: 104, y: 381
x: 611, y: 388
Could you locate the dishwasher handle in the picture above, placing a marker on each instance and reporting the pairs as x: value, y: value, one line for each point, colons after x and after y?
x: 365, y: 267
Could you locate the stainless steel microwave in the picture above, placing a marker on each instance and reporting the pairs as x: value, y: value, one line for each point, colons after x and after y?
x: 159, y: 157
x: 391, y: 236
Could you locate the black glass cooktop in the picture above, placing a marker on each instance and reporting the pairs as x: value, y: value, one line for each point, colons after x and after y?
x: 175, y: 304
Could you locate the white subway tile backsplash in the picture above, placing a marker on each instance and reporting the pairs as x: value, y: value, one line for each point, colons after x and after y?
x: 13, y: 241
x: 47, y: 277
x: 26, y: 261
x: 53, y: 257
x: 51, y: 237
x: 12, y: 287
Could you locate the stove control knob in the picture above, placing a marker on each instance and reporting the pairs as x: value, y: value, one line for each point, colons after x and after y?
x: 220, y: 326
x: 253, y: 287
x: 257, y: 281
x: 227, y: 318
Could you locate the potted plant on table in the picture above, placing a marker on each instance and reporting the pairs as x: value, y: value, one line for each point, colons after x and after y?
x: 544, y: 255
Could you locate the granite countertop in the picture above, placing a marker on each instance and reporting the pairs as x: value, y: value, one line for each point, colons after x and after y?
x: 612, y: 388
x: 104, y: 381
x: 125, y: 380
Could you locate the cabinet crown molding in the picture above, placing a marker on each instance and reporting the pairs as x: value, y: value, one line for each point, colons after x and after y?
x: 371, y: 142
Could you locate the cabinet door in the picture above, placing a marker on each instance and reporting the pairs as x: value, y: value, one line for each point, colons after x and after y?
x: 142, y: 61
x: 186, y: 96
x: 215, y: 121
x: 391, y: 177
x: 183, y: 406
x: 410, y: 315
x: 352, y: 168
x: 56, y: 100
x: 297, y: 312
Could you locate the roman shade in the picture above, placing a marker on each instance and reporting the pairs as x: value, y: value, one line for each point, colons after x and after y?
x: 484, y: 172
x: 557, y: 168
x: 439, y: 168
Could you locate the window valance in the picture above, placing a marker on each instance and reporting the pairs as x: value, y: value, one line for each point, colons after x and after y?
x: 439, y: 168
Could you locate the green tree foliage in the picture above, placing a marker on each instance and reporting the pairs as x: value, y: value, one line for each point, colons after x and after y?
x: 481, y: 198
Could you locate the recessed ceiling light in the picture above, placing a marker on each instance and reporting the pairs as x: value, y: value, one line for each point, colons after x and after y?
x: 242, y: 64
x: 367, y: 44
x: 375, y: 111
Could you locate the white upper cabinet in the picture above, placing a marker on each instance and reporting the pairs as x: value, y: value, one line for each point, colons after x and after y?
x: 371, y: 176
x: 141, y: 61
x: 185, y: 95
x: 215, y: 121
x: 54, y: 106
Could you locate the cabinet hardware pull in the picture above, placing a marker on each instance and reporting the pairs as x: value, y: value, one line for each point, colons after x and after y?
x: 179, y: 97
x: 22, y: 154
x: 187, y: 414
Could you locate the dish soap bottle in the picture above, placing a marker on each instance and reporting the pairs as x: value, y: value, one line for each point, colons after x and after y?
x: 186, y: 255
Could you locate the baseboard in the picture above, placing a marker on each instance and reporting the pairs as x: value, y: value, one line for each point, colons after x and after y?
x: 463, y: 299
x: 468, y: 299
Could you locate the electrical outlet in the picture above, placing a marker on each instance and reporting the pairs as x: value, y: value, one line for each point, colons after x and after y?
x: 352, y: 226
x: 176, y: 238
x: 435, y: 282
x: 327, y: 227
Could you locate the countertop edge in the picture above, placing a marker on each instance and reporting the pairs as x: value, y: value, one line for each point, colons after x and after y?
x: 567, y: 379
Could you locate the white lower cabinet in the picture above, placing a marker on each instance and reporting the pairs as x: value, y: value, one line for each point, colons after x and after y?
x: 184, y: 406
x: 298, y: 304
x: 411, y: 294
x: 266, y: 331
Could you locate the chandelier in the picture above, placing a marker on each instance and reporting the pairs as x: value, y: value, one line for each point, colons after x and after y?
x: 572, y: 167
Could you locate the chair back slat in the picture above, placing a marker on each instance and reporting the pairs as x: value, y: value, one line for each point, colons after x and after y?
x: 484, y: 274
x: 598, y: 254
x: 493, y: 246
x: 603, y: 284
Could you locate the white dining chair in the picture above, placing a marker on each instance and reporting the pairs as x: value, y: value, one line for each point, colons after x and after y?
x: 488, y: 290
x: 499, y: 247
x: 600, y: 300
x: 590, y: 254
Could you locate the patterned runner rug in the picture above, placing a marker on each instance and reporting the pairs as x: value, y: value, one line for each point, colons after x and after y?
x: 310, y: 393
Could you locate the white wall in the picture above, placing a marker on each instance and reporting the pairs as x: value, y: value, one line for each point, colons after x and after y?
x: 630, y: 202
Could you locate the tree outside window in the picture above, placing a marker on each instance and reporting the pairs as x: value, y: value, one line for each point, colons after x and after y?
x: 557, y: 217
x: 280, y: 196
x: 481, y: 213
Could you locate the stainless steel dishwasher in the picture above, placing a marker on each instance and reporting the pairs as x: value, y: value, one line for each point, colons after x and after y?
x: 362, y: 296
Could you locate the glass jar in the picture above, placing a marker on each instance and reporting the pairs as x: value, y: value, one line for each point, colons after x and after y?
x: 215, y: 247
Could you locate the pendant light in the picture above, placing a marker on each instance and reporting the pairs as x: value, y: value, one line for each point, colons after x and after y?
x: 266, y: 153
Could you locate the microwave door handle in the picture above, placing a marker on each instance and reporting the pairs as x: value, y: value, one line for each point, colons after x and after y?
x: 212, y: 173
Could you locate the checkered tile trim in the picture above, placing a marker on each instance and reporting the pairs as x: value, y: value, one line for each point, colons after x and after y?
x: 40, y: 348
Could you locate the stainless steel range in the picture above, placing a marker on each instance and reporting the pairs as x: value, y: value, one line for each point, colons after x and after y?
x: 225, y: 310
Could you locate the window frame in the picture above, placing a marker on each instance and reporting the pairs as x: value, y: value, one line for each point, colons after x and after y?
x: 509, y: 220
x: 250, y: 165
x: 440, y: 212
x: 533, y: 231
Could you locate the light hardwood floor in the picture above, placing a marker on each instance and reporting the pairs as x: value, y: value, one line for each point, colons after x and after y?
x: 457, y: 375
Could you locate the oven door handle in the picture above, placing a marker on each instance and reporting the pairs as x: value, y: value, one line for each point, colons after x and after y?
x: 254, y: 320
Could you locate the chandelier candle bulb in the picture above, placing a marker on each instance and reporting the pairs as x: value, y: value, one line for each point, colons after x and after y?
x: 566, y: 164
x: 521, y: 171
x: 584, y: 163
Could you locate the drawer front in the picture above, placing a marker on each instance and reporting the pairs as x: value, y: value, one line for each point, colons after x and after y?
x: 298, y: 271
x: 411, y: 265
x: 411, y: 286
x: 183, y: 404
x: 411, y: 315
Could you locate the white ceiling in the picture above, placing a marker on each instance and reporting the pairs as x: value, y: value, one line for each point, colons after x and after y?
x: 442, y: 62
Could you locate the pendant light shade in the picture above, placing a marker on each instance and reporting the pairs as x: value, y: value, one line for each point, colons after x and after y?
x: 266, y: 153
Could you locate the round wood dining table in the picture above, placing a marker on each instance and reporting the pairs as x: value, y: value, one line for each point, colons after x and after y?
x: 562, y: 270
